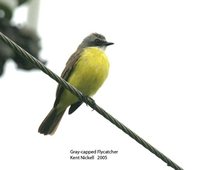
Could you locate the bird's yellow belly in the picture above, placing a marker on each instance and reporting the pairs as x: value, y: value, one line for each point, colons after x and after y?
x: 89, y: 73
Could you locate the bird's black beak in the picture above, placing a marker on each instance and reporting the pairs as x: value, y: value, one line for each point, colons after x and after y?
x: 108, y: 43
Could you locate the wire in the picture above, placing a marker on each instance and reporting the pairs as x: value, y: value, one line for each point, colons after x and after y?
x: 89, y: 101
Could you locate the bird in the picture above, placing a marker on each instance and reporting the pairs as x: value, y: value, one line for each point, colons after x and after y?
x: 86, y: 70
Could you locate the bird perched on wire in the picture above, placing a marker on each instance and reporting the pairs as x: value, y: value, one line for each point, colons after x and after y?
x: 86, y: 70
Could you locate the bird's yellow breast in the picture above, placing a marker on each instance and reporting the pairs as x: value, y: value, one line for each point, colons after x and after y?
x: 89, y: 73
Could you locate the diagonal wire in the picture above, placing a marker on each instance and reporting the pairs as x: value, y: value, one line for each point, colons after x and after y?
x: 89, y: 101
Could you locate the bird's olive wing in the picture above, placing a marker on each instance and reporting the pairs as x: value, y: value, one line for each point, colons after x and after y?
x: 66, y: 73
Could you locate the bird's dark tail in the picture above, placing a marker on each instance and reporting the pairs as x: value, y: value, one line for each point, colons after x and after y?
x: 51, y: 122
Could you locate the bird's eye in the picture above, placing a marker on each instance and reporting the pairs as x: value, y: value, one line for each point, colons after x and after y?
x: 97, y: 41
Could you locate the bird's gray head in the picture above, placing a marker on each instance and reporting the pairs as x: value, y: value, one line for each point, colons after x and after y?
x: 95, y: 40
